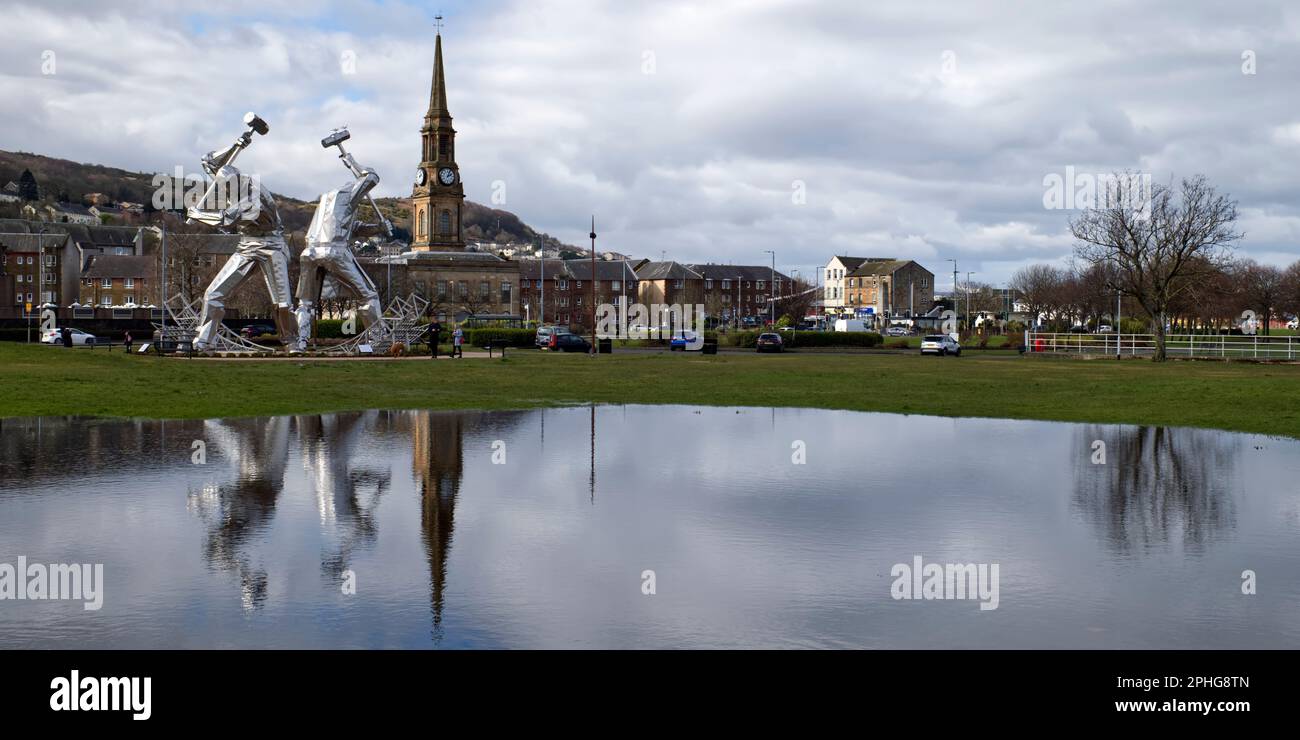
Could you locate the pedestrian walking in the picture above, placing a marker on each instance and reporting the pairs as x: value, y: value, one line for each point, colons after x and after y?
x: 435, y: 331
x: 126, y: 341
x: 458, y: 343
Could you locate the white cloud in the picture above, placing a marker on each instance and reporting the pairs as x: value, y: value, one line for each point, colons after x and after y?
x: 899, y: 154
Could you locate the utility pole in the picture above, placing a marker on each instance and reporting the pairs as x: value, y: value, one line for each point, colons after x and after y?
x: 593, y: 284
x: 954, y: 285
x: 968, y: 309
x: 541, y: 289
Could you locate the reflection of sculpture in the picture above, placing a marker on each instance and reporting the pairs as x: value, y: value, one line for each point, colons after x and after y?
x: 1157, y: 484
x: 243, y: 206
x: 328, y: 443
x: 241, y: 510
x: 328, y: 238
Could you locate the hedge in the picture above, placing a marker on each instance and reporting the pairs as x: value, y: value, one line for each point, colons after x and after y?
x: 797, y: 339
x: 499, y: 337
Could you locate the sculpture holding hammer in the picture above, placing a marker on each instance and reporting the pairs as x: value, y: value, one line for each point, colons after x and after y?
x: 328, y: 252
x: 236, y: 202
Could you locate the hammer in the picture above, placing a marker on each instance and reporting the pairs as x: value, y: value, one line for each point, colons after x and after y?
x: 254, y: 122
x: 336, y: 138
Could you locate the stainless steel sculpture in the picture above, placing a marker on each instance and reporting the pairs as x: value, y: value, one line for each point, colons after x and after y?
x: 235, y: 202
x: 328, y: 253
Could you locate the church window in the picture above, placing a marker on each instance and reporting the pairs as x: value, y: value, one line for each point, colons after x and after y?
x: 444, y: 223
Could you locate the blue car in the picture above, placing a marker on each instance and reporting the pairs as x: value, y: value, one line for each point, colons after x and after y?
x: 682, y: 341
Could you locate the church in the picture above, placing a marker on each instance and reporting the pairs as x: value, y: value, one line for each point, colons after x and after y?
x: 437, y: 267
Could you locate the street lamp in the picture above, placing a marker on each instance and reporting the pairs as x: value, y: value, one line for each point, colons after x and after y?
x: 968, y: 309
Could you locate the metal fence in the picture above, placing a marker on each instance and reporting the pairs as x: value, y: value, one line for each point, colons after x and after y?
x: 1229, y: 346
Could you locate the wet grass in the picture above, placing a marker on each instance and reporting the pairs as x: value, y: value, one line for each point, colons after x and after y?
x: 40, y: 380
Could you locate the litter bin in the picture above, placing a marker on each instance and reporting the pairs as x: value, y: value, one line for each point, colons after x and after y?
x: 605, y: 346
x: 710, y: 348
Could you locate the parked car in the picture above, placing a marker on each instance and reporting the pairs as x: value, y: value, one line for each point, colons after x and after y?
x: 1293, y: 323
x: 256, y: 330
x: 568, y: 342
x: 897, y: 331
x: 545, y: 333
x: 681, y: 341
x: 940, y: 344
x: 53, y: 336
x: 1105, y: 329
x: 769, y: 342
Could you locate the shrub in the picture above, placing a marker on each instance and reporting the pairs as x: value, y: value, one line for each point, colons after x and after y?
x: 896, y: 344
x: 500, y: 337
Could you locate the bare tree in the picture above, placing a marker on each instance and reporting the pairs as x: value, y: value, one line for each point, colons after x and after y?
x: 1039, y: 288
x: 1159, y: 247
x: 1262, y: 289
x: 1291, y: 289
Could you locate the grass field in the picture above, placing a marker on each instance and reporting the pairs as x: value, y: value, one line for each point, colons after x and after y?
x: 40, y: 380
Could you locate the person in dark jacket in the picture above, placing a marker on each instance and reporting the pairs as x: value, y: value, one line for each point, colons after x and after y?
x: 435, y: 330
x: 66, y: 335
x: 126, y: 341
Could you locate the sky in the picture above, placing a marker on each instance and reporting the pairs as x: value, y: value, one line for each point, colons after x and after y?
x: 700, y: 131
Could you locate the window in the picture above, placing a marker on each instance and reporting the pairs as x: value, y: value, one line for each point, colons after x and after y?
x: 579, y: 285
x: 484, y: 290
x: 129, y: 283
x: 444, y: 223
x: 442, y: 147
x: 726, y: 285
x: 761, y: 284
x: 524, y: 283
x: 726, y: 298
x: 130, y: 298
x: 442, y: 288
x: 505, y: 293
x: 562, y: 284
x: 708, y: 285
x: 106, y: 283
x: 106, y: 301
x: 677, y: 283
x: 463, y: 287
x: 564, y: 301
x: 51, y: 259
x: 616, y: 285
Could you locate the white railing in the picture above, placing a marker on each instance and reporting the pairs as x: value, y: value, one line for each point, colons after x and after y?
x: 1230, y: 346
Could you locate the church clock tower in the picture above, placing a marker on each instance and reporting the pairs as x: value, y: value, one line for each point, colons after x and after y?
x: 438, y: 199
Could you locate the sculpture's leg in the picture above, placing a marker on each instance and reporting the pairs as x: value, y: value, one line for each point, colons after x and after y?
x: 233, y: 273
x: 275, y: 269
x: 346, y: 270
x: 309, y: 283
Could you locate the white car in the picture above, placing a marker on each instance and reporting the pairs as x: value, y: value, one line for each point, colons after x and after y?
x: 1105, y: 329
x: 53, y: 336
x: 1293, y: 323
x: 940, y: 344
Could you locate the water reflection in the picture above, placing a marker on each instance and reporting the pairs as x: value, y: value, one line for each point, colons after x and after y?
x: 487, y: 529
x: 1156, y: 486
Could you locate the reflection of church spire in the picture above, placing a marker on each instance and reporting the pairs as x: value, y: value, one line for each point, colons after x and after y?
x: 439, y: 462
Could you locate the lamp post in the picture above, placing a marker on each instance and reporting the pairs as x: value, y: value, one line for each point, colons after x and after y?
x: 771, y: 296
x: 968, y: 309
x: 593, y: 284
x: 954, y: 285
x: 541, y: 289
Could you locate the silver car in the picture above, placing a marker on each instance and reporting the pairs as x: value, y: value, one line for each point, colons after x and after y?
x: 544, y: 333
x: 940, y: 344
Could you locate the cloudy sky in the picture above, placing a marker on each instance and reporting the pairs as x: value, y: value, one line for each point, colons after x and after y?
x: 701, y: 130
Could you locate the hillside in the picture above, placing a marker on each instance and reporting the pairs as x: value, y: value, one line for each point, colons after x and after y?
x: 65, y: 180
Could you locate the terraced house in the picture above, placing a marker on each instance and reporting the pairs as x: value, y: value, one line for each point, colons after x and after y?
x: 559, y: 291
x: 118, y: 280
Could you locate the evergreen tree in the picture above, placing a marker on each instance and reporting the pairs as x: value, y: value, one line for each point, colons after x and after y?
x: 27, y: 187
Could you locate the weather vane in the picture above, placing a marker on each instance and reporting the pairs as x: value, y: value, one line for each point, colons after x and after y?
x: 437, y: 22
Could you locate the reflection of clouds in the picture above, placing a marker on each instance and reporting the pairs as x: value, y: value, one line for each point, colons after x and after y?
x: 1158, y: 485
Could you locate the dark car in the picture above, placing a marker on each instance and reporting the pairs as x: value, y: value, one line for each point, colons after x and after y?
x: 256, y: 330
x: 569, y: 343
x: 769, y: 342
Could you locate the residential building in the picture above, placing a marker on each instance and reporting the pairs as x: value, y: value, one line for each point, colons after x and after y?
x: 879, y: 290
x: 834, y: 299
x: 567, y: 290
x: 668, y: 283
x: 113, y: 280
x: 43, y: 268
x: 732, y: 292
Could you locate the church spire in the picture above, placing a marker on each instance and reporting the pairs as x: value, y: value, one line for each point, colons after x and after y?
x: 438, y: 93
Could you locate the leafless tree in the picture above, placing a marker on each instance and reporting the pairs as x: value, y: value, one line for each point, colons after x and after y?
x: 1039, y: 288
x: 1262, y: 289
x: 1161, y: 246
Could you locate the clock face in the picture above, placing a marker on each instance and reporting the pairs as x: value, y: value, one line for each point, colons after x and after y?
x: 446, y: 175
x: 420, y: 177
